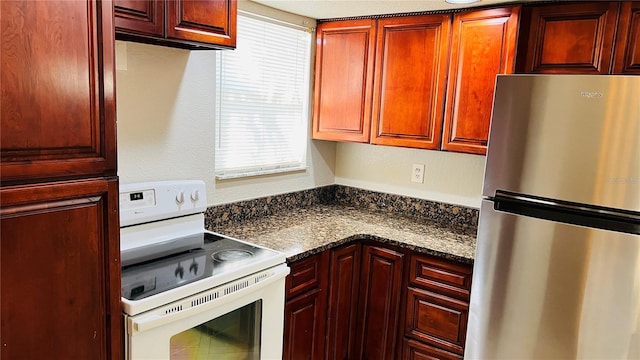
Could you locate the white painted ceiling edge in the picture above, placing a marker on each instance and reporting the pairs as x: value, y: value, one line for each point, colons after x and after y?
x: 328, y: 9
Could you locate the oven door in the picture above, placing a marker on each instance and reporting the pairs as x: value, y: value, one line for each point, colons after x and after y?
x: 239, y: 320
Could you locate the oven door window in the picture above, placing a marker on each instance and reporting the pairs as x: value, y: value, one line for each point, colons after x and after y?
x: 235, y: 335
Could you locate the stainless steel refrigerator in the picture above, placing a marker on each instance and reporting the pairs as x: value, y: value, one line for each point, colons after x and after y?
x: 557, y: 267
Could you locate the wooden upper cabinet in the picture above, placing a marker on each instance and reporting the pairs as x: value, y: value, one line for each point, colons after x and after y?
x: 343, y: 80
x: 484, y: 45
x: 575, y: 38
x: 60, y: 270
x: 57, y: 105
x: 212, y: 21
x: 627, y: 51
x: 190, y: 24
x: 140, y: 16
x: 410, y: 80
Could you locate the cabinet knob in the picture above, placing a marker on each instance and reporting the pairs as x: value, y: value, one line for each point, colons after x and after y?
x: 195, y: 195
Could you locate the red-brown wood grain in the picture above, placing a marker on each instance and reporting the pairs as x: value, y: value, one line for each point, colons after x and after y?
x: 344, y: 283
x: 59, y: 259
x: 414, y: 350
x: 304, y: 326
x: 574, y: 38
x: 305, y: 312
x: 483, y: 45
x: 437, y: 320
x: 410, y: 80
x: 140, y: 16
x: 441, y: 276
x: 379, y: 303
x: 305, y: 275
x: 343, y: 80
x: 212, y: 21
x: 57, y: 90
x: 627, y: 51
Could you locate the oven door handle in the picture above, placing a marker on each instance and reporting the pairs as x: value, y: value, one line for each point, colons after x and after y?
x: 174, y: 311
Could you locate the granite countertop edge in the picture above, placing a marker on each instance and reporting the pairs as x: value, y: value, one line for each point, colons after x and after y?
x: 359, y: 237
x: 303, y: 232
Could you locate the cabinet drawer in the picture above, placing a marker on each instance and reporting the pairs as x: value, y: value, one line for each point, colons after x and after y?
x: 305, y: 275
x: 442, y: 276
x: 414, y: 350
x: 436, y: 319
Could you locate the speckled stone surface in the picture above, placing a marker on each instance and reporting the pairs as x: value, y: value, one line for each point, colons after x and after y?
x: 305, y: 223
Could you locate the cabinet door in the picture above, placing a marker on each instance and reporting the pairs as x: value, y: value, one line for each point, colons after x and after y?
x: 379, y: 304
x: 211, y: 21
x: 627, y: 53
x: 414, y: 350
x: 437, y: 320
x: 139, y: 16
x: 304, y: 320
x: 60, y: 270
x: 484, y: 45
x: 411, y: 67
x: 57, y: 100
x: 344, y: 281
x: 571, y: 38
x: 343, y: 80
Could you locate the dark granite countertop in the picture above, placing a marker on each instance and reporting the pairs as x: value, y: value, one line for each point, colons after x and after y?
x: 304, y: 231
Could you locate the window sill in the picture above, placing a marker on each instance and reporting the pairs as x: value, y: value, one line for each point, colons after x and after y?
x: 254, y: 173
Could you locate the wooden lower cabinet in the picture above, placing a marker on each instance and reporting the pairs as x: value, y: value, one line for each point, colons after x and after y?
x: 305, y: 308
x: 344, y: 280
x: 60, y: 271
x: 379, y: 303
x: 437, y: 319
x: 304, y: 326
x: 414, y: 350
x: 366, y: 300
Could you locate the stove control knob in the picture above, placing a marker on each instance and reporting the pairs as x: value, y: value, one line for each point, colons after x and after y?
x: 179, y: 271
x: 195, y: 195
x: 180, y: 197
x: 194, y: 267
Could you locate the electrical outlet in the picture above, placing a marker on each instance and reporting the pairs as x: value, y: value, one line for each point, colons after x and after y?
x: 417, y: 173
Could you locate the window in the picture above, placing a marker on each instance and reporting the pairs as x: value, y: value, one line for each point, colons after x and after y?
x: 262, y: 99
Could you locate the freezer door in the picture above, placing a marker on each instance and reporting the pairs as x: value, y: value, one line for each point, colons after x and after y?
x: 566, y: 137
x: 548, y: 290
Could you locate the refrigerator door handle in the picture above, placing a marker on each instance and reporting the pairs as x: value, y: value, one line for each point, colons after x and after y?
x: 569, y: 213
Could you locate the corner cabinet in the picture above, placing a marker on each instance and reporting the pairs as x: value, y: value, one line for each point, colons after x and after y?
x: 191, y: 24
x: 599, y: 37
x: 59, y: 243
x: 368, y: 300
x: 483, y: 45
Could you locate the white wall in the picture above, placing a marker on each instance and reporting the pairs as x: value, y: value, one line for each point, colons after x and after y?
x: 166, y: 108
x: 449, y: 177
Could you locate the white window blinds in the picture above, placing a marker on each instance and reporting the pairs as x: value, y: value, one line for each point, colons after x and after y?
x: 262, y: 100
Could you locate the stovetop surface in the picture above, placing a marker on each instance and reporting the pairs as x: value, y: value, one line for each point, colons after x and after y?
x: 219, y: 257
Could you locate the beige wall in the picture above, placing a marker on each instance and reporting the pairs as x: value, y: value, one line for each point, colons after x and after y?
x: 166, y: 109
x: 449, y: 177
x: 165, y: 100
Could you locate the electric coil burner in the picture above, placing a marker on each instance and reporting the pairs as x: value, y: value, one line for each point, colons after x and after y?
x: 180, y: 281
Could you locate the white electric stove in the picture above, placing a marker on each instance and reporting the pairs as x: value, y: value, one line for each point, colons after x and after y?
x: 180, y: 281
